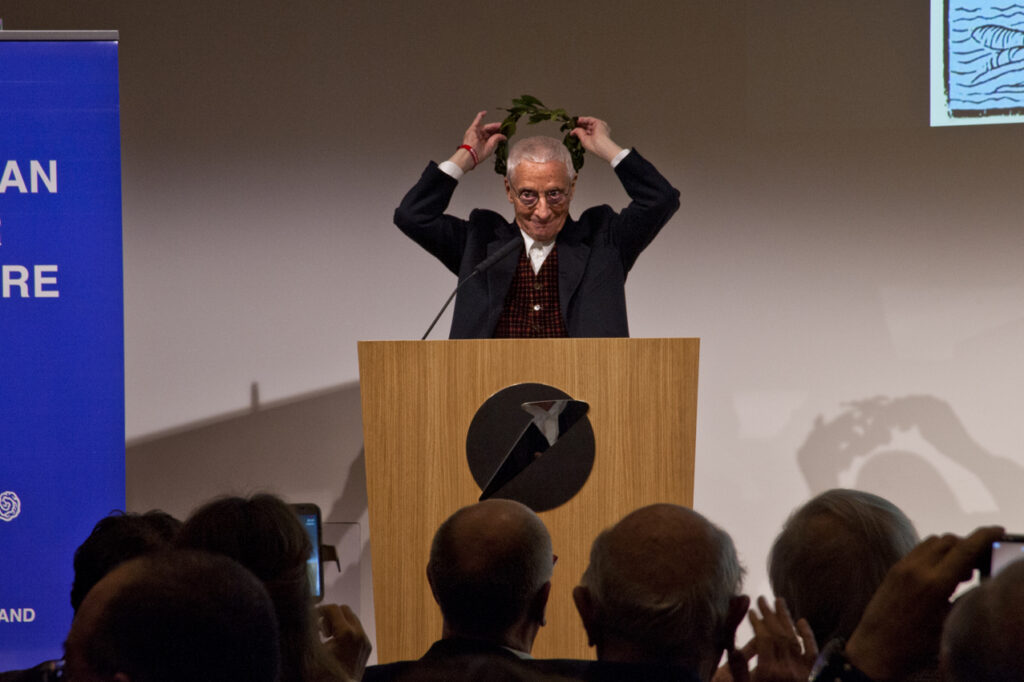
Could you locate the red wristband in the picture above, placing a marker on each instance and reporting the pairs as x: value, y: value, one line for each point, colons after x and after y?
x: 472, y: 152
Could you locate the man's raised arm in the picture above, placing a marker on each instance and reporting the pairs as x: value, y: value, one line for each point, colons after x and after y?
x: 478, y: 143
x: 902, y: 624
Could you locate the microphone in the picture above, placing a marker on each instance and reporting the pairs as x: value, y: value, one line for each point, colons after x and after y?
x: 484, y: 265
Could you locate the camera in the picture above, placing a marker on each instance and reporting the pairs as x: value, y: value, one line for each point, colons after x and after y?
x: 1005, y: 550
x: 309, y: 517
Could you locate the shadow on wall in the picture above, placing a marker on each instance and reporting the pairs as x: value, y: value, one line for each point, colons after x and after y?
x: 306, y: 449
x: 915, y: 452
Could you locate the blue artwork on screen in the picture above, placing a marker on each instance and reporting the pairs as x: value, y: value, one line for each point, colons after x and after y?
x: 982, y: 62
x: 61, y: 328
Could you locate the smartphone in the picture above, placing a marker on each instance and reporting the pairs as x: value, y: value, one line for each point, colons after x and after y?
x: 1003, y: 551
x: 309, y: 517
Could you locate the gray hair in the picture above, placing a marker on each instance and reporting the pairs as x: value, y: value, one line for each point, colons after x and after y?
x: 664, y: 590
x: 539, y: 149
x: 487, y: 563
x: 841, y: 542
x: 982, y: 635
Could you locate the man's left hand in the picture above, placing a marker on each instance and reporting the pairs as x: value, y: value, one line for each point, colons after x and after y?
x: 593, y: 134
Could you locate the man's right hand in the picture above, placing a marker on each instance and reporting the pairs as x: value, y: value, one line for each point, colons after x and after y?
x: 345, y: 638
x: 902, y: 624
x: 785, y: 652
x: 483, y: 138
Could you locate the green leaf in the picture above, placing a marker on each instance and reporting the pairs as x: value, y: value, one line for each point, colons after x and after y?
x: 501, y: 158
x: 536, y: 112
x: 575, y: 150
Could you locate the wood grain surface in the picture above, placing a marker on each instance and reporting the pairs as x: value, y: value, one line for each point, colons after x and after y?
x: 418, y: 400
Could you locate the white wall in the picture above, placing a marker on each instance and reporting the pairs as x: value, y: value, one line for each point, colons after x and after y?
x: 831, y: 248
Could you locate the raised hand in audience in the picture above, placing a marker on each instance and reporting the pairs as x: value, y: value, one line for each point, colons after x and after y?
x: 785, y: 652
x: 345, y: 638
x: 902, y: 625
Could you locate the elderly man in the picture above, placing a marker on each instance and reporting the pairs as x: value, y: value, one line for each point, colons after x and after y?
x: 490, y: 572
x: 115, y: 539
x: 817, y: 583
x: 900, y: 630
x: 810, y: 562
x: 568, y: 277
x: 662, y: 591
x: 901, y: 627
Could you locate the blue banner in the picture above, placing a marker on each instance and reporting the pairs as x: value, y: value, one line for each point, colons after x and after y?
x: 61, y: 328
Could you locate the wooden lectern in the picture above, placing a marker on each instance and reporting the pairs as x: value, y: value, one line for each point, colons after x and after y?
x: 419, y: 398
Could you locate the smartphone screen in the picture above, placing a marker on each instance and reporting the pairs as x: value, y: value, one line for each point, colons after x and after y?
x: 309, y: 517
x: 1005, y: 550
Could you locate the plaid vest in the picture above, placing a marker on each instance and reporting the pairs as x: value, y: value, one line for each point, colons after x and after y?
x: 531, y: 305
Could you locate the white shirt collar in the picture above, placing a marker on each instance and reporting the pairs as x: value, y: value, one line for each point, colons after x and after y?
x: 530, y: 241
x: 536, y: 251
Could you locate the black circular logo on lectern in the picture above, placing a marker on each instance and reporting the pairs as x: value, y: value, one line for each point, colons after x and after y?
x: 531, y: 443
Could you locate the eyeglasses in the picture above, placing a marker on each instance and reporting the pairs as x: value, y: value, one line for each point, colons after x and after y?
x: 529, y: 197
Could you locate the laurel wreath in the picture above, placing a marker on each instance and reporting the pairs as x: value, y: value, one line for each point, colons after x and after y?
x: 535, y: 111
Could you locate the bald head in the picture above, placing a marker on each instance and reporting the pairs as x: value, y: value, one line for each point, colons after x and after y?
x: 662, y: 580
x: 488, y: 563
x: 982, y: 637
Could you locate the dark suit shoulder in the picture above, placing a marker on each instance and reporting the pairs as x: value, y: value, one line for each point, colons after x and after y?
x: 461, y: 660
x: 592, y: 221
x: 44, y: 672
x: 606, y: 671
x: 483, y: 217
x: 385, y: 672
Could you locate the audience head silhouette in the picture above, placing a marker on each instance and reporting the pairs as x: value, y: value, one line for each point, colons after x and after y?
x: 982, y: 637
x: 490, y: 570
x: 178, y: 616
x: 833, y: 553
x: 264, y: 534
x: 115, y: 539
x: 662, y: 587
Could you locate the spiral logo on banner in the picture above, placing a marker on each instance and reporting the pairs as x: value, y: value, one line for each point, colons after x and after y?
x: 10, y: 506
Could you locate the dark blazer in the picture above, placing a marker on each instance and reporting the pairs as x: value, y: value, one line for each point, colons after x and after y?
x: 595, y: 253
x: 606, y: 671
x: 469, y: 660
x: 454, y: 660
